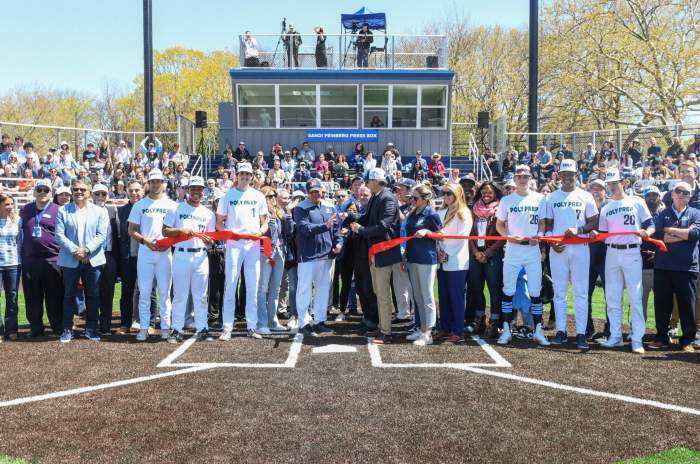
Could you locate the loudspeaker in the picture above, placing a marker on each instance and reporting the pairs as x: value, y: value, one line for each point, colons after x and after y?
x: 482, y: 120
x: 431, y: 61
x: 200, y: 119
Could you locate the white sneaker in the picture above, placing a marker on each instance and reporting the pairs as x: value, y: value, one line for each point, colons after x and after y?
x: 539, y: 337
x: 279, y: 328
x: 638, y: 347
x: 506, y: 336
x: 413, y: 336
x: 136, y: 326
x: 340, y: 317
x: 293, y: 323
x: 423, y: 340
x: 225, y: 335
x: 613, y: 342
x: 263, y: 331
x: 142, y: 336
x: 253, y: 334
x: 164, y: 334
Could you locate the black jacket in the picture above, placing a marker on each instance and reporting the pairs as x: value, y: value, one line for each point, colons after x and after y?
x: 122, y: 227
x: 381, y: 221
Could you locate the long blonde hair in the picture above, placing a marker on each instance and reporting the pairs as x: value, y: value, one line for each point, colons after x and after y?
x: 426, y: 193
x: 458, y: 207
x: 12, y: 217
x: 277, y: 211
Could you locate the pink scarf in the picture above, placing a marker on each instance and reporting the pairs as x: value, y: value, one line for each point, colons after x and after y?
x: 484, y: 211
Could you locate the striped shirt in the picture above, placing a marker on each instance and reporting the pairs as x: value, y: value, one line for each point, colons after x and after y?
x: 10, y: 242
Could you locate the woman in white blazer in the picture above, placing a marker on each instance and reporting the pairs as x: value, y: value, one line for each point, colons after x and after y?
x: 453, y: 256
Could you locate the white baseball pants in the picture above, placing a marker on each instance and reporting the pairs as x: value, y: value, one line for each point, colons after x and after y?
x: 249, y: 260
x: 313, y: 275
x: 571, y: 264
x: 159, y: 264
x: 623, y: 268
x: 190, y: 274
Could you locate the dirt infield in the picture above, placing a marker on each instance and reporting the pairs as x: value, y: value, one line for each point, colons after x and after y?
x: 340, y: 407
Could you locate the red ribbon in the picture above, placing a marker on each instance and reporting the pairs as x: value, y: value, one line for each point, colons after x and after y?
x: 555, y: 239
x: 218, y: 235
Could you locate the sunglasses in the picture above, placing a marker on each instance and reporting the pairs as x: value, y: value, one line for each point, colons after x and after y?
x: 415, y: 198
x: 681, y: 192
x: 100, y: 194
x: 43, y: 190
x: 79, y: 190
x: 447, y: 193
x: 271, y: 196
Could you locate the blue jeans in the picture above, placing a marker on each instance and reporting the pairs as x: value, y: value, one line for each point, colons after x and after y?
x: 10, y: 283
x: 451, y: 293
x: 362, y: 57
x: 91, y: 286
x: 292, y: 277
x: 269, y: 288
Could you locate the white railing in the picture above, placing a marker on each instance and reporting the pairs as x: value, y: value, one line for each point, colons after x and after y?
x: 341, y: 51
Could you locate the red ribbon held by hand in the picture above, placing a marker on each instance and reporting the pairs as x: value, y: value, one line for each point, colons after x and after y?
x: 218, y: 235
x: 556, y: 239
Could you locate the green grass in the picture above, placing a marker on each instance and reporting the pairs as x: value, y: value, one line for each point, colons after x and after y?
x: 672, y: 456
x: 9, y: 460
x: 598, y: 306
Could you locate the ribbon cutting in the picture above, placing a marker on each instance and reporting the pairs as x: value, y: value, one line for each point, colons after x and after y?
x: 554, y: 239
x: 218, y: 235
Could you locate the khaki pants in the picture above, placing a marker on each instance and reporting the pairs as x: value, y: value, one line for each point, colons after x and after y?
x: 381, y: 283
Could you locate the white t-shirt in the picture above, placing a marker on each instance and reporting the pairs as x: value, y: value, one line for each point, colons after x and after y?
x: 522, y: 214
x: 626, y: 215
x: 243, y: 210
x: 569, y: 209
x: 81, y: 222
x: 199, y: 219
x: 149, y: 215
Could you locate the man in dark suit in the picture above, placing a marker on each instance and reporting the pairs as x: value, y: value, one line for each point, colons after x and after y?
x: 108, y: 274
x: 381, y: 222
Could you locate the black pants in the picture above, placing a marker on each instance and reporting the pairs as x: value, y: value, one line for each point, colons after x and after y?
x: 129, y: 299
x: 42, y: 283
x: 491, y: 274
x: 108, y: 279
x: 682, y: 285
x: 216, y: 285
x: 345, y: 267
x: 363, y: 281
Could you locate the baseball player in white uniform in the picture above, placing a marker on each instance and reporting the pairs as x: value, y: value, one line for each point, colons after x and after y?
x: 242, y: 210
x: 518, y: 215
x: 146, y: 227
x: 190, y: 260
x: 571, y: 212
x: 623, y: 261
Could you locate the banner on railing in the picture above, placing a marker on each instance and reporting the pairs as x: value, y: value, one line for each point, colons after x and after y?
x: 342, y: 135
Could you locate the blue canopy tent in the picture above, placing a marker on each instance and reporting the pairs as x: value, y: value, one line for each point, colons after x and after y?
x: 375, y: 21
x: 353, y: 22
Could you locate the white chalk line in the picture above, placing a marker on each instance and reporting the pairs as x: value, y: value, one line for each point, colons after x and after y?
x: 584, y: 391
x: 290, y: 362
x: 498, y: 360
x: 104, y: 386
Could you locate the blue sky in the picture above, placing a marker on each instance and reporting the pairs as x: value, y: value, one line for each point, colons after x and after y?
x: 82, y: 44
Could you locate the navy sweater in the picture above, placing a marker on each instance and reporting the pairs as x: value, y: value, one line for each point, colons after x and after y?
x: 681, y: 256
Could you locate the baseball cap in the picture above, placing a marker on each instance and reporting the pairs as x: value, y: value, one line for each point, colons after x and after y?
x: 42, y: 183
x: 408, y: 183
x: 683, y: 186
x: 613, y: 175
x: 100, y: 188
x: 567, y: 165
x: 155, y: 174
x: 196, y: 181
x: 597, y: 182
x: 298, y: 194
x: 313, y: 185
x: 468, y: 177
x: 377, y: 174
x: 522, y: 170
x: 510, y: 183
x: 245, y: 167
x: 63, y: 189
x: 64, y: 144
x: 651, y: 189
x: 241, y: 142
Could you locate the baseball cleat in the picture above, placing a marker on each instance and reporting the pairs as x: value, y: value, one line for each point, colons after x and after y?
x: 280, y: 328
x: 66, y: 336
x: 506, y: 336
x: 559, y: 339
x: 92, y: 335
x: 225, y: 335
x: 582, y: 343
x: 423, y: 340
x: 204, y: 336
x: 164, y: 334
x: 253, y: 334
x: 322, y: 328
x: 539, y: 337
x: 175, y: 337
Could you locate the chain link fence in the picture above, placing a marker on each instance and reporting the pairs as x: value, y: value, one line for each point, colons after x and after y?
x: 621, y: 139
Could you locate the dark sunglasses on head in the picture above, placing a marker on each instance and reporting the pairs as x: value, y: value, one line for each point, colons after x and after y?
x: 681, y: 192
x: 79, y: 190
x: 43, y: 189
